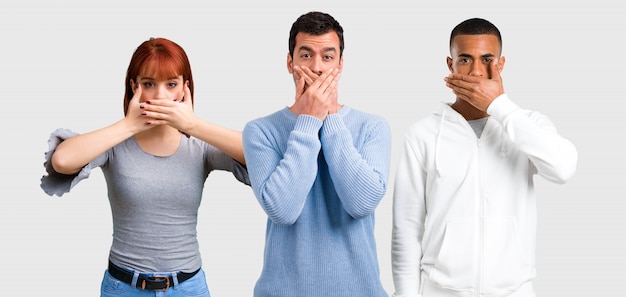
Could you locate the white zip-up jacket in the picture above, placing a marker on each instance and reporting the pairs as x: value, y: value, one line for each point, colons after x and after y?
x: 464, y: 211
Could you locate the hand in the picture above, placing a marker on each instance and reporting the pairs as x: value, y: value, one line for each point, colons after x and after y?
x: 176, y: 113
x: 477, y: 91
x: 135, y: 115
x: 306, y: 73
x: 319, y: 98
x: 309, y: 78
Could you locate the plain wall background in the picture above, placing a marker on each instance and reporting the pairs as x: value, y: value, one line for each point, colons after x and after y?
x: 63, y: 65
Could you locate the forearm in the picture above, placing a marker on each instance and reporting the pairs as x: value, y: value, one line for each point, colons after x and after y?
x: 533, y: 133
x: 406, y: 249
x: 409, y: 214
x: 75, y: 152
x: 359, y: 171
x: 281, y: 178
x: 227, y: 140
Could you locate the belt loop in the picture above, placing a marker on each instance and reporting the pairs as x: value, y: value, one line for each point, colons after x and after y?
x: 133, y: 283
x: 175, y: 278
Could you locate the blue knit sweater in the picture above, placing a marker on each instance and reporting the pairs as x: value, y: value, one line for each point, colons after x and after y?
x: 319, y: 183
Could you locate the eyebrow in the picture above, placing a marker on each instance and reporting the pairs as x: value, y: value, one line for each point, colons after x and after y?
x: 488, y: 55
x: 326, y: 49
x: 152, y: 78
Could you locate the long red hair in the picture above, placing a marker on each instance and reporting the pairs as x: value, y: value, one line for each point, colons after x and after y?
x: 159, y: 58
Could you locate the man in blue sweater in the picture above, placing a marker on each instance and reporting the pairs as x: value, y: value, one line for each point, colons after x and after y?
x: 319, y: 170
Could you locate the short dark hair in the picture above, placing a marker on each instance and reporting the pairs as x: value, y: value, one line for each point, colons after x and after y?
x: 476, y: 26
x: 316, y: 23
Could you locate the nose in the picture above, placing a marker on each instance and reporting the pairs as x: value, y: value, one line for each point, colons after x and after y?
x: 161, y: 92
x: 477, y: 69
x: 317, y: 66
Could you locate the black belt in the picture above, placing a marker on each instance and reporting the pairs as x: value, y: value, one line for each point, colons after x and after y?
x: 148, y: 282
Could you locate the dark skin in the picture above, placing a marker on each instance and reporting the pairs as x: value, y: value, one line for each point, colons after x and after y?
x: 475, y: 65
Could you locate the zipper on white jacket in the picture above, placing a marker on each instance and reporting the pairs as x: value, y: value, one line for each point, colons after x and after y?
x: 480, y: 219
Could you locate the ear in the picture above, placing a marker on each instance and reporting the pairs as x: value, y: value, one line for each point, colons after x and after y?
x: 133, y: 86
x: 449, y: 62
x: 289, y: 63
x: 341, y: 63
x: 501, y: 62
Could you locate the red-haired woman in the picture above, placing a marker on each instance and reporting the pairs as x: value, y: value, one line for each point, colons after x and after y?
x: 155, y: 161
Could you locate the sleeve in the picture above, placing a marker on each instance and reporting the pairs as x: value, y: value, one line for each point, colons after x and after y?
x: 409, y: 214
x: 219, y: 160
x: 359, y: 174
x: 55, y: 183
x: 282, y: 178
x: 553, y: 157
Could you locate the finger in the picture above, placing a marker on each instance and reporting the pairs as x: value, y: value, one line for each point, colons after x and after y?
x: 323, y: 81
x: 456, y: 85
x: 494, y: 70
x: 307, y: 74
x: 450, y: 81
x: 458, y: 82
x: 333, y: 81
x: 330, y: 82
x: 333, y: 95
x: 459, y: 79
x: 188, y: 100
x: 134, y: 103
x: 156, y: 122
x: 300, y: 83
x: 157, y: 108
x: 137, y: 93
x: 187, y: 95
x: 296, y: 73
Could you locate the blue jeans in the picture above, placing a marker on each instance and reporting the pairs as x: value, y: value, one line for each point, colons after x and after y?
x: 195, y: 286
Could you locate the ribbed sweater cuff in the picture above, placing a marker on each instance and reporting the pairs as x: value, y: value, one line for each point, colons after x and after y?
x: 333, y: 123
x: 307, y: 124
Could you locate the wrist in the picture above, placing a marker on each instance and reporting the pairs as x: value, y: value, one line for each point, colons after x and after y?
x: 128, y: 127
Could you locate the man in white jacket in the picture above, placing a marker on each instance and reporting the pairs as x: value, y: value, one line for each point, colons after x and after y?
x: 464, y: 204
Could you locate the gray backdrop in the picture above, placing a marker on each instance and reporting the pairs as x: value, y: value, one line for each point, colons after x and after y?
x: 63, y: 65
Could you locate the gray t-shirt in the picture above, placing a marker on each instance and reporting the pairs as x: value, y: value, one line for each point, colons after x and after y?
x: 478, y: 125
x: 154, y: 200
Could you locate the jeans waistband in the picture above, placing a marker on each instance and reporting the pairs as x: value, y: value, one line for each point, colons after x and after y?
x: 149, y: 281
